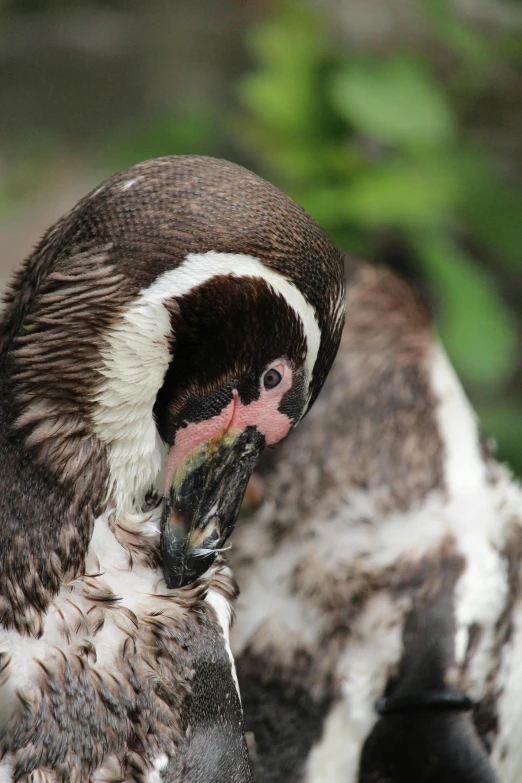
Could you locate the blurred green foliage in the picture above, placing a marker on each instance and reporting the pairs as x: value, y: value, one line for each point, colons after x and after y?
x: 380, y: 147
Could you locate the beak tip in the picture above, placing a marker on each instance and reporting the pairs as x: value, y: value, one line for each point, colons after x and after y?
x: 170, y: 579
x: 178, y: 574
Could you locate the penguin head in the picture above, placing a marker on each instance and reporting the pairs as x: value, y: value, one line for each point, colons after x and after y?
x: 187, y: 302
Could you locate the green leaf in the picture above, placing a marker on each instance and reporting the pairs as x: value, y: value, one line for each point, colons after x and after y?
x: 285, y: 102
x: 394, y: 101
x: 403, y: 194
x: 293, y: 39
x: 476, y: 325
x: 493, y: 209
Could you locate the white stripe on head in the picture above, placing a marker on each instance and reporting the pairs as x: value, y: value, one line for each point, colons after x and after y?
x: 137, y: 355
x: 198, y: 268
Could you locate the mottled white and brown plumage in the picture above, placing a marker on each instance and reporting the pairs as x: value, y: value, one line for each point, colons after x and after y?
x: 385, y: 564
x: 184, y: 303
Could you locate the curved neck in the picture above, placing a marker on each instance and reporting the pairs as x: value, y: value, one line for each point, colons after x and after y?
x: 46, y: 519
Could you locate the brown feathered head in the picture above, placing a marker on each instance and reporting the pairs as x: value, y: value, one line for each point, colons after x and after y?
x: 184, y: 302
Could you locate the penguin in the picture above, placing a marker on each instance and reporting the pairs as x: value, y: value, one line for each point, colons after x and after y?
x: 180, y: 318
x: 379, y: 628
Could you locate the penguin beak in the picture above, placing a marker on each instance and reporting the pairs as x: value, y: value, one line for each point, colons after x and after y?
x: 203, y: 501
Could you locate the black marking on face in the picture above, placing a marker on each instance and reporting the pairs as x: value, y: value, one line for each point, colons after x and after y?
x: 225, y: 334
x: 292, y: 401
x: 199, y: 407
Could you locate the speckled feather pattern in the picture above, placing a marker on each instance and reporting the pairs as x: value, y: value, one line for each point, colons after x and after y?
x: 108, y: 686
x: 385, y: 491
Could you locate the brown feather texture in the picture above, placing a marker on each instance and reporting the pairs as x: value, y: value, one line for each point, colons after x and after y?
x: 78, y: 283
x: 385, y: 561
x: 107, y: 676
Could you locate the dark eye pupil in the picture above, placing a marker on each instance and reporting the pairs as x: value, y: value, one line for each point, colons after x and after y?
x: 272, y: 379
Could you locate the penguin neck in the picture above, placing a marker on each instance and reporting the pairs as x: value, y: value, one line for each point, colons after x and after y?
x: 61, y: 466
x: 48, y: 507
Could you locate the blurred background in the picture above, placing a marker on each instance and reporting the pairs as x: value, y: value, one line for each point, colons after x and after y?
x: 396, y: 123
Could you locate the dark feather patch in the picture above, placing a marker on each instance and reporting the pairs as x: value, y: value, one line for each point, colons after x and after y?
x: 280, y: 712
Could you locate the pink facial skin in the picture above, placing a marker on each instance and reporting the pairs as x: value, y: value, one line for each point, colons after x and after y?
x: 262, y: 413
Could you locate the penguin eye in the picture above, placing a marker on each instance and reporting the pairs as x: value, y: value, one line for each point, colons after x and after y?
x: 272, y: 378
